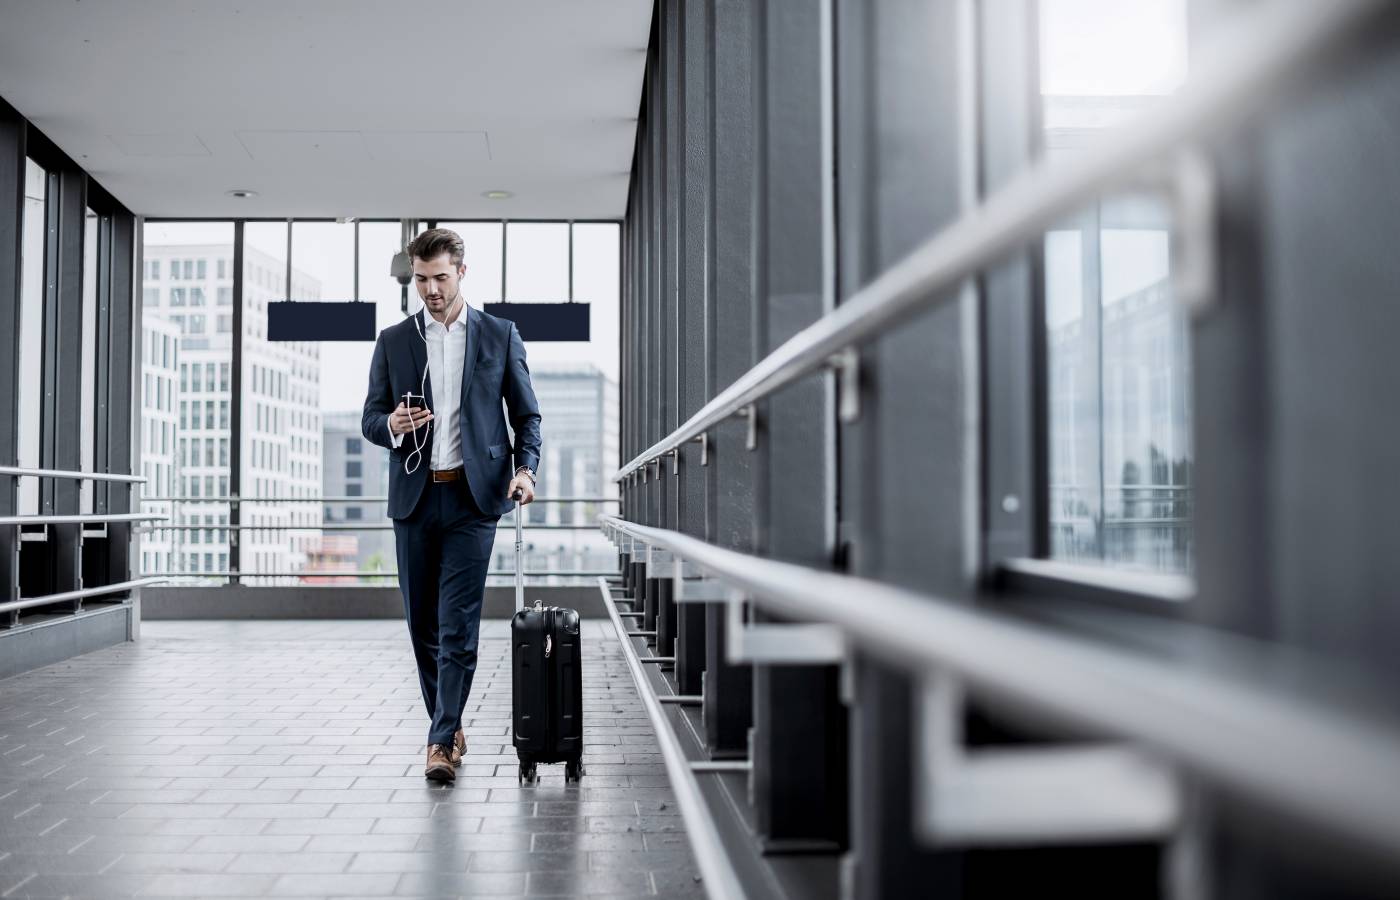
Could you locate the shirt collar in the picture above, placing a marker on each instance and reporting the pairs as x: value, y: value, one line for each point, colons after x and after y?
x: 431, y: 324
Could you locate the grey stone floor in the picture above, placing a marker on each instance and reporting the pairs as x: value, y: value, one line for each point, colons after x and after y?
x: 285, y: 758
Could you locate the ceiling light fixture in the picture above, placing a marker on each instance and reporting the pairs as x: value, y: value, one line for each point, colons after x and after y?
x: 240, y: 193
x: 497, y: 195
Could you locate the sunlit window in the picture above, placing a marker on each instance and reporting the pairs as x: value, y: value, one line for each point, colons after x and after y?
x: 1119, y: 379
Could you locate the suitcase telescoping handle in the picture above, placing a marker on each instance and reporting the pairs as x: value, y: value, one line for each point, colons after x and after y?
x: 519, y: 575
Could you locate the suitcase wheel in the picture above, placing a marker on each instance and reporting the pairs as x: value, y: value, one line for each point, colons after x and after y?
x: 527, y: 774
x: 573, y: 770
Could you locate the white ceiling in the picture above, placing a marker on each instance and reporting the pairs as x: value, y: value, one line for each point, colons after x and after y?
x: 337, y: 107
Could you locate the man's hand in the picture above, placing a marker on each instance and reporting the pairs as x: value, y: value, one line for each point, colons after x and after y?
x: 522, y: 483
x: 404, y: 420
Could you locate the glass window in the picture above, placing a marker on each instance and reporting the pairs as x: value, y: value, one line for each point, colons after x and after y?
x: 352, y: 446
x: 537, y: 261
x: 198, y: 357
x: 481, y: 243
x: 1120, y: 411
x: 352, y: 469
x: 87, y: 413
x: 31, y: 331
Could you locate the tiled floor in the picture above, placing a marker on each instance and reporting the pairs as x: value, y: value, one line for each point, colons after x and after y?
x: 258, y: 759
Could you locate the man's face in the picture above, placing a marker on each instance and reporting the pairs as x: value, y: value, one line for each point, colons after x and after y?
x: 439, y: 282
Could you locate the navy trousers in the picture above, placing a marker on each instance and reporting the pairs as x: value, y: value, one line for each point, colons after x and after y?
x: 444, y: 548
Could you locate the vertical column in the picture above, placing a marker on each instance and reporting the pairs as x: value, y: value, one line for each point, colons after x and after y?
x: 1012, y: 329
x: 905, y: 475
x: 12, y: 168
x: 730, y: 475
x: 60, y: 446
x: 799, y: 759
x: 235, y: 443
x: 1296, y: 512
x: 119, y: 400
x: 693, y: 236
x: 673, y: 355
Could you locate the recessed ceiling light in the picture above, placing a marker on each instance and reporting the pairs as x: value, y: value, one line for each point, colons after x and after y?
x: 240, y: 193
x: 497, y: 195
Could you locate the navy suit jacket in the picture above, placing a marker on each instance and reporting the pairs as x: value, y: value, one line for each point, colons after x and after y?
x: 494, y: 369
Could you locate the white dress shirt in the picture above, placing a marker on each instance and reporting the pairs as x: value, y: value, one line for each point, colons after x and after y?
x: 447, y: 351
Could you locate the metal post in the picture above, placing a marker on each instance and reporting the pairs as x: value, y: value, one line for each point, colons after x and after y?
x: 519, y: 574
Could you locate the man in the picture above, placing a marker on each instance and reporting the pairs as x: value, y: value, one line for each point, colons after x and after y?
x: 452, y: 478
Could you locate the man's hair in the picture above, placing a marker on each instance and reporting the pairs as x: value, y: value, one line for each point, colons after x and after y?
x: 436, y: 241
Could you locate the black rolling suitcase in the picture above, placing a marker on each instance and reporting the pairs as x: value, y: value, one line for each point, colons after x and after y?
x: 546, y: 682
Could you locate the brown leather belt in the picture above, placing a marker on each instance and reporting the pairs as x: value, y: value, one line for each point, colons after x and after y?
x: 447, y: 474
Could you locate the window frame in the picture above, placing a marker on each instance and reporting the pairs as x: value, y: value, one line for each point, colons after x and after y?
x: 1015, y: 456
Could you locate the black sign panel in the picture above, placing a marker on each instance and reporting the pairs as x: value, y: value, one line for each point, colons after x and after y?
x: 320, y: 320
x: 545, y: 321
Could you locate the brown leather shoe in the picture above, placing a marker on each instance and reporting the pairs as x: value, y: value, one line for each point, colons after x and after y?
x: 439, y: 763
x: 459, y: 747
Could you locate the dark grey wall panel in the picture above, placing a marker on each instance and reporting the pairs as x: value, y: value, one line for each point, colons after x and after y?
x: 12, y: 172
x: 799, y: 737
x: 731, y: 464
x: 693, y: 239
x: 44, y: 643
x: 903, y: 481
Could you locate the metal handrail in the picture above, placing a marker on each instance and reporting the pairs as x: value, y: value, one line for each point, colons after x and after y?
x: 340, y: 526
x: 19, y: 471
x: 377, y: 498
x: 79, y: 594
x: 1254, y: 54
x: 716, y: 871
x: 373, y: 573
x: 1233, y: 729
x: 81, y: 519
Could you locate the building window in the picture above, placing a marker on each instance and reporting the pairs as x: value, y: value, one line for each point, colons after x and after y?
x: 177, y: 296
x: 352, y: 469
x: 1118, y: 356
x: 353, y: 490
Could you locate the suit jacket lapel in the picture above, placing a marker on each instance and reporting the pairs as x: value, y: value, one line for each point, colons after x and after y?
x: 473, y: 345
x: 420, y: 356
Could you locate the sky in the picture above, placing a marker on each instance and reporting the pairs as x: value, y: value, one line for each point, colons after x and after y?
x: 1106, y: 47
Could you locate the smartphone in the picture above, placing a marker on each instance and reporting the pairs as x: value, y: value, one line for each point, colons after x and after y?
x: 414, y: 401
